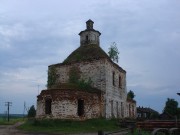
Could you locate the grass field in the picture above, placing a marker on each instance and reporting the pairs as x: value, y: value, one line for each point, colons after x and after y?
x: 66, y: 126
x: 12, y: 120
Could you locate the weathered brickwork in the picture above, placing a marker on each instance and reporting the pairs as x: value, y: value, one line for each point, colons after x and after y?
x: 65, y: 104
x: 131, y: 109
x: 109, y: 97
x: 116, y: 92
x: 94, y: 70
x: 101, y: 74
x: 89, y: 36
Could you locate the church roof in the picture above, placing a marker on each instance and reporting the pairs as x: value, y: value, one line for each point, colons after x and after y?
x: 86, y: 53
x: 89, y: 27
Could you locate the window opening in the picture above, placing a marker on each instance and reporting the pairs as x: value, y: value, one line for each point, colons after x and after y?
x: 112, y: 112
x: 86, y: 38
x: 117, y: 107
x: 120, y: 82
x: 132, y: 110
x: 113, y: 78
x: 129, y: 110
x: 122, y: 109
x: 80, y: 107
x: 48, y: 106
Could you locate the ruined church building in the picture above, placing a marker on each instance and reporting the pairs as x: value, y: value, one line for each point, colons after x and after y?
x: 87, y: 84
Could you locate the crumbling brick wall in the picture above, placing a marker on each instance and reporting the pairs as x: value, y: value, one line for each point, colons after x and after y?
x: 65, y: 104
x: 94, y: 70
x: 101, y: 74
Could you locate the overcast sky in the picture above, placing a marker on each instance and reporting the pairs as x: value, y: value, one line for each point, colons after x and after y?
x: 38, y: 33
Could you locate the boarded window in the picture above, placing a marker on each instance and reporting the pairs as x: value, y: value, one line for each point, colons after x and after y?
x: 48, y: 106
x: 113, y: 78
x: 80, y: 107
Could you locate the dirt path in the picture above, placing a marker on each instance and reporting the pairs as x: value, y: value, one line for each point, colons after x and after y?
x: 12, y: 130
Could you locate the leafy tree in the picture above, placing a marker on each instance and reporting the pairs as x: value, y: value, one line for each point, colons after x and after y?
x: 154, y: 115
x: 130, y: 95
x: 171, y: 107
x: 31, y: 112
x: 113, y: 52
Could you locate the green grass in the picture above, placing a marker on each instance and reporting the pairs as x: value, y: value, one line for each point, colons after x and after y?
x: 11, y: 121
x: 67, y: 126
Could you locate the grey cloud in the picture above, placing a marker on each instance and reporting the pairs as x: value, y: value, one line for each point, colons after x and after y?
x: 34, y: 35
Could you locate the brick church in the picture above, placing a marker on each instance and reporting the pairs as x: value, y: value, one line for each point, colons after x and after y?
x: 87, y: 84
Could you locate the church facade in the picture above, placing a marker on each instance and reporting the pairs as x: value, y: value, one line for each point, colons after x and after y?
x: 87, y: 84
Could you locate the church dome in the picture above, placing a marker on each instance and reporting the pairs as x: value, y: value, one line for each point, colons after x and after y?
x: 86, y: 53
x: 89, y: 46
